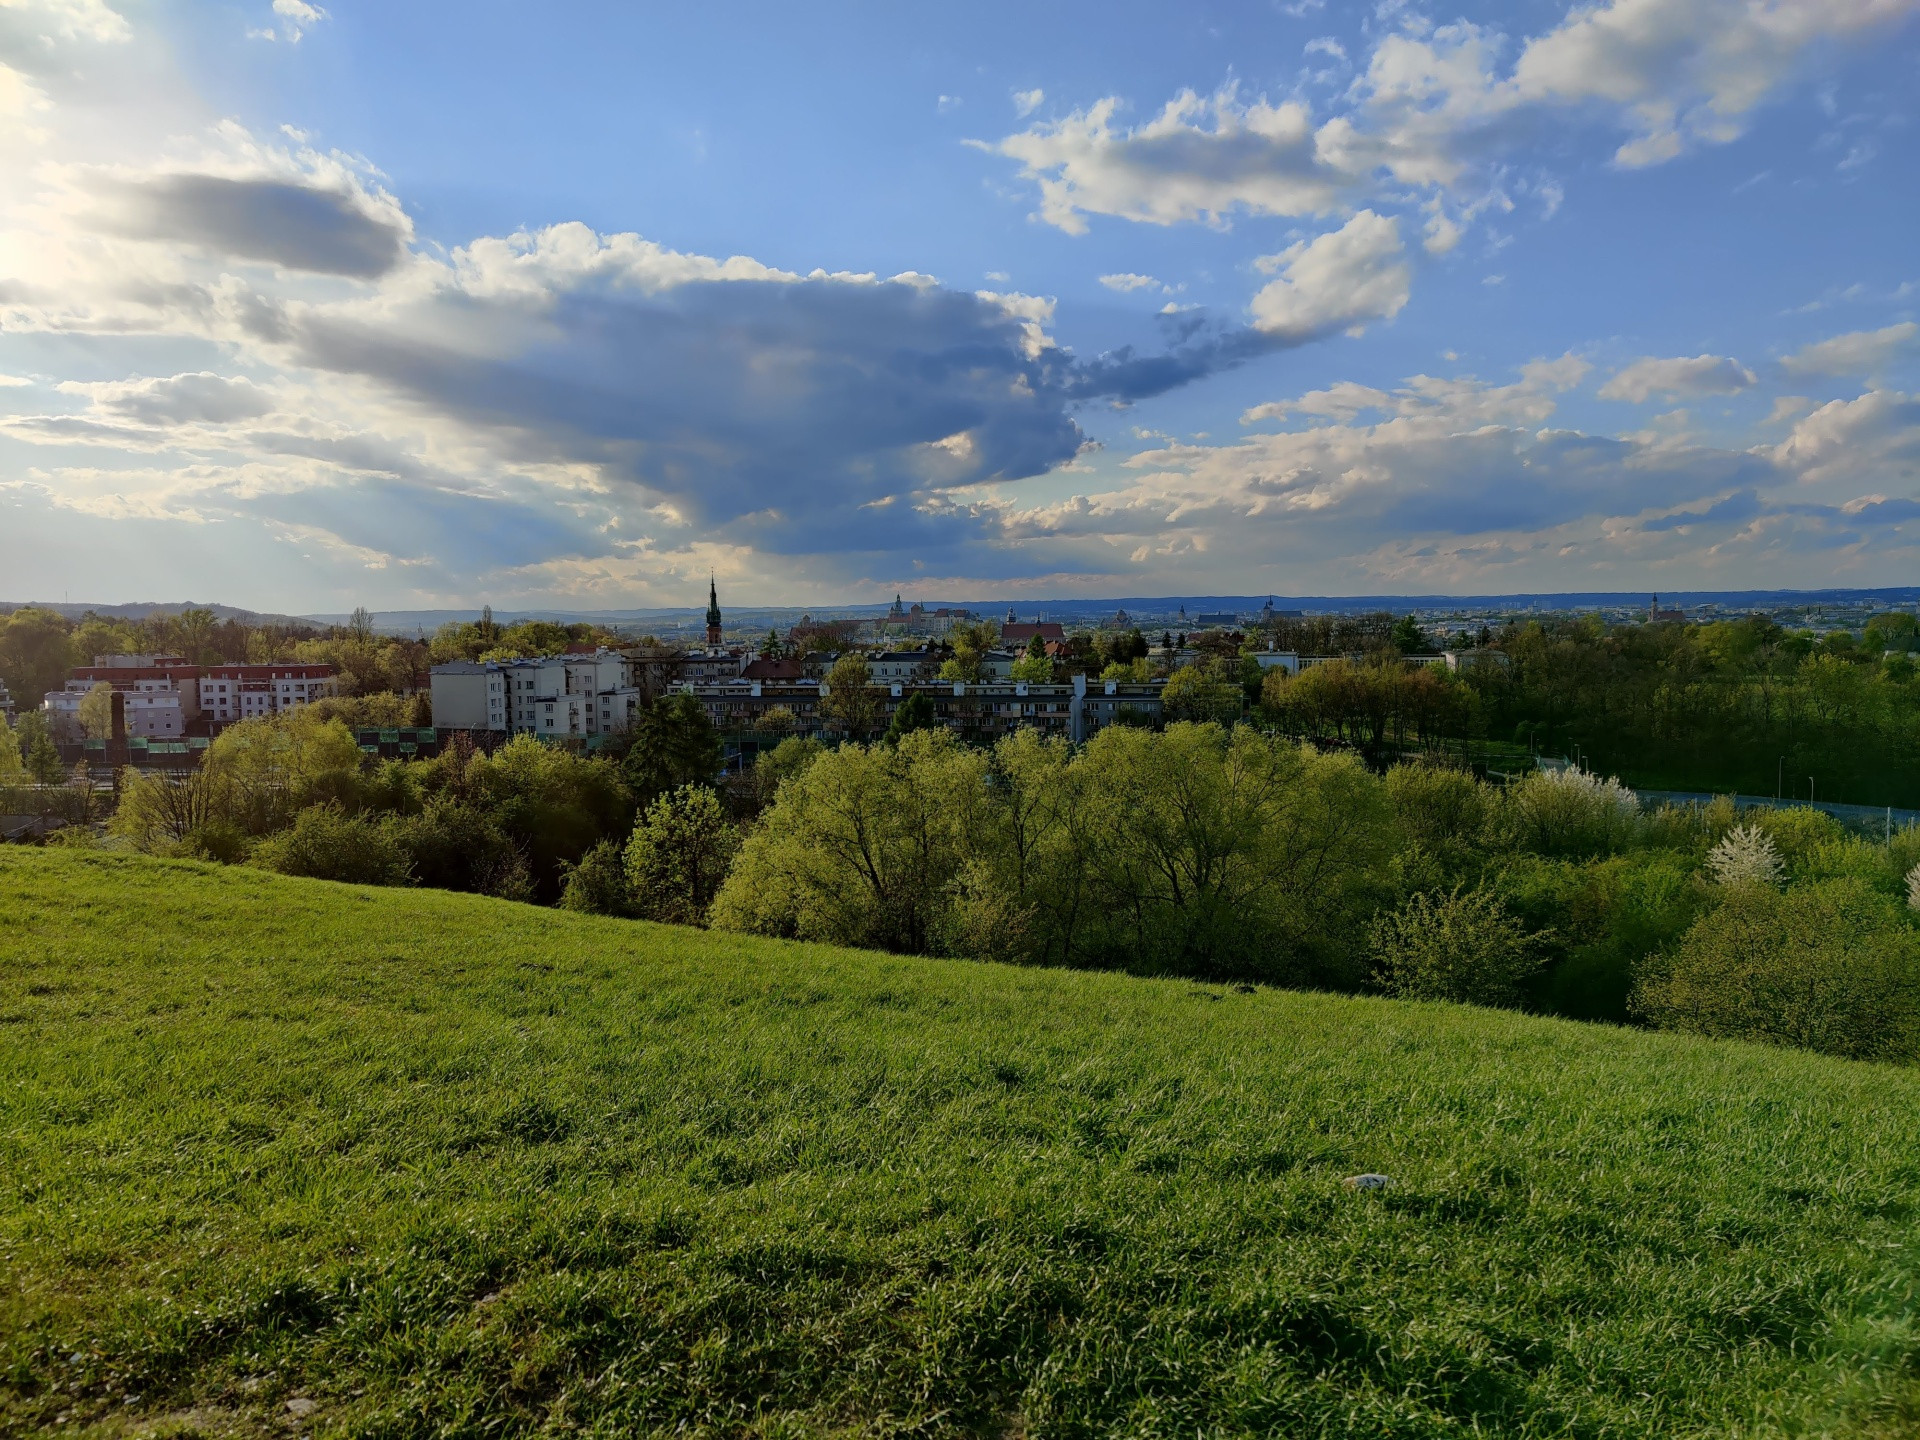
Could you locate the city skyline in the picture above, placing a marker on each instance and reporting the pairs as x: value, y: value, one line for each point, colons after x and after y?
x: 423, y: 306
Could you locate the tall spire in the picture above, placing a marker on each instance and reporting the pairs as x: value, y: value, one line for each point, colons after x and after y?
x: 713, y: 612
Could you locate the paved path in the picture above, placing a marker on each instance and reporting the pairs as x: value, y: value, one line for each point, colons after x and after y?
x: 1881, y: 818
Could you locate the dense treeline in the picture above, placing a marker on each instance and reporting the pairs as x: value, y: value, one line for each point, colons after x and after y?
x: 1223, y: 853
x: 1738, y: 705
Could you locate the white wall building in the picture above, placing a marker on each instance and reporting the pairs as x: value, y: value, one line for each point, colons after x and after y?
x: 154, y: 708
x: 242, y: 692
x: 555, y: 697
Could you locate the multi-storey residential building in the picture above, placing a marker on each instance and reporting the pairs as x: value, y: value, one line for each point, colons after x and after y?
x: 243, y: 692
x: 556, y: 697
x: 157, y: 707
x: 166, y: 697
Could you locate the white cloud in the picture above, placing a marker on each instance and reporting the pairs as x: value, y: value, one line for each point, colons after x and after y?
x: 1198, y: 159
x: 1678, y: 377
x: 1337, y: 281
x: 1873, y: 440
x: 8, y: 382
x: 1861, y: 352
x: 1025, y: 102
x: 1127, y: 281
x: 1434, y: 108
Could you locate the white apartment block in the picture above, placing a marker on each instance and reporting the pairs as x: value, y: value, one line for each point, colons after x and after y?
x: 557, y: 697
x: 243, y: 692
x: 156, y: 709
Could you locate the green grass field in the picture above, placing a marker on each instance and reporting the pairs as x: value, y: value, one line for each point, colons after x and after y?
x: 429, y: 1164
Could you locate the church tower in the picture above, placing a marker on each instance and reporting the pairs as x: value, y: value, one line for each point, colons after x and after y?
x: 713, y: 613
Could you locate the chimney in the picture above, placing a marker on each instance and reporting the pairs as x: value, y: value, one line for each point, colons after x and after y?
x: 119, y: 718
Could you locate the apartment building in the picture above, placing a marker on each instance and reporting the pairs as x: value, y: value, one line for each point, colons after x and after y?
x: 157, y: 707
x: 244, y: 692
x: 556, y: 697
x: 167, y: 698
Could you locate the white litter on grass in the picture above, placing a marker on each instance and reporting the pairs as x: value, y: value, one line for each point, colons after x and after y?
x: 1367, y: 1182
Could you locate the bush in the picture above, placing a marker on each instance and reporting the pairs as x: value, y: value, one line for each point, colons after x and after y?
x: 1831, y: 966
x: 598, y: 885
x: 452, y: 845
x: 1438, y: 808
x: 324, y: 843
x: 1572, y: 812
x: 1745, y: 855
x: 1463, y: 947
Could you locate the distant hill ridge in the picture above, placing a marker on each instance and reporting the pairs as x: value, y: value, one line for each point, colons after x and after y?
x: 1056, y: 608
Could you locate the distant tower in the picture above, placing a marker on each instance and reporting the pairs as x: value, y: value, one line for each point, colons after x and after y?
x: 713, y: 613
x: 1012, y: 619
x: 1653, y: 610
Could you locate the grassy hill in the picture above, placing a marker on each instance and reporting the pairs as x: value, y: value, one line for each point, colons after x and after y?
x: 280, y: 1155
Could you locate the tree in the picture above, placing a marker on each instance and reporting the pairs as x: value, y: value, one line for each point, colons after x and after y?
x: 13, y: 764
x: 771, y: 648
x: 1462, y: 947
x: 276, y: 765
x: 360, y: 623
x: 1408, y: 638
x: 916, y: 712
x: 1194, y: 693
x: 1745, y: 855
x: 970, y: 644
x: 43, y: 756
x: 34, y: 654
x: 851, y: 702
x: 1035, y: 669
x: 96, y: 711
x: 679, y: 856
x: 598, y: 885
x: 861, y: 846
x: 674, y: 744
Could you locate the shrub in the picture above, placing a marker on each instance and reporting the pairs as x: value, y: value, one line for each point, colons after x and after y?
x: 1572, y: 812
x: 452, y: 845
x: 324, y: 843
x: 598, y: 885
x: 1745, y: 855
x: 1829, y: 966
x: 1796, y: 830
x: 1437, y: 807
x: 1458, y: 946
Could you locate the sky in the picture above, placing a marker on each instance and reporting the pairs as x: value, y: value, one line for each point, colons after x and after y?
x: 431, y: 304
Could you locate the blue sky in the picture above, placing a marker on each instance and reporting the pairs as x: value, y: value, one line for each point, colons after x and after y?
x: 427, y: 304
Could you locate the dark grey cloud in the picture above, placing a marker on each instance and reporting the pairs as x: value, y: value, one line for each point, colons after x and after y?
x: 317, y: 228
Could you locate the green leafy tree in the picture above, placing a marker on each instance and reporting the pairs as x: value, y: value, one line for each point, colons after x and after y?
x: 916, y: 712
x: 970, y: 644
x: 1195, y: 693
x: 679, y: 856
x: 598, y: 885
x: 34, y: 654
x: 1408, y: 638
x: 43, y: 756
x: 851, y: 701
x: 96, y: 711
x: 674, y: 744
x: 13, y: 763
